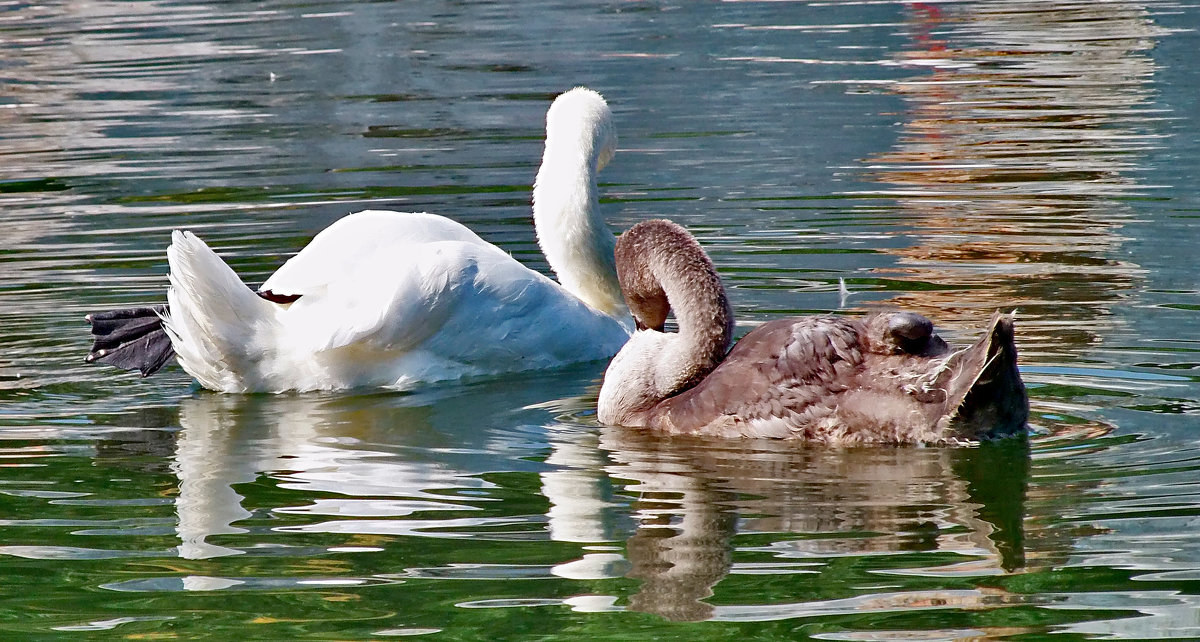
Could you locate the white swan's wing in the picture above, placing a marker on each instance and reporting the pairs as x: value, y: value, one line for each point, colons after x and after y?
x: 516, y: 319
x: 357, y: 239
x: 390, y: 298
x: 465, y: 302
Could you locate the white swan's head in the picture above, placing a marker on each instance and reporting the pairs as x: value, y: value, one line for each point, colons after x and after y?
x: 579, y: 119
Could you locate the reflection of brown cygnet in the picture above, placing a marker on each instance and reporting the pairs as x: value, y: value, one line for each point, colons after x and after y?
x: 700, y: 502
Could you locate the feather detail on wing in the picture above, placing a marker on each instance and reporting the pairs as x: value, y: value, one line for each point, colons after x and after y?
x: 395, y: 313
x: 845, y: 381
x: 774, y: 376
x: 343, y: 246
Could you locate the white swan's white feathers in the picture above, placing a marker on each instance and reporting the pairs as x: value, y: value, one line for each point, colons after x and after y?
x: 384, y: 298
x: 399, y: 313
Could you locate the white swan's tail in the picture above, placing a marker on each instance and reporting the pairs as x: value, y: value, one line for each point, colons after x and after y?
x: 220, y: 329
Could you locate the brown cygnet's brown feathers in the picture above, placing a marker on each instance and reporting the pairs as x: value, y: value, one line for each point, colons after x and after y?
x: 885, y: 379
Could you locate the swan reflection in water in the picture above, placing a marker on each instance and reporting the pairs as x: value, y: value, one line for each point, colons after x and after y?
x: 678, y: 515
x: 375, y: 464
x: 694, y: 497
x: 321, y: 444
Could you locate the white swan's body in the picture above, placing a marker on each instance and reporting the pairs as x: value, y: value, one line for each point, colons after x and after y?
x: 392, y: 299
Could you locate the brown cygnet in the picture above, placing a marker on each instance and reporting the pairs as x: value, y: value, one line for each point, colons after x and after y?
x: 883, y: 379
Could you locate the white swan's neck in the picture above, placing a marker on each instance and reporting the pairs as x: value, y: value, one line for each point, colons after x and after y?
x: 580, y: 139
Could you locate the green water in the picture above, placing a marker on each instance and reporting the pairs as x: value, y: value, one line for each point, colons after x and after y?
x: 950, y: 158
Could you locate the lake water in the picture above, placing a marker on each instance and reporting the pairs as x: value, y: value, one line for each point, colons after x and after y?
x: 948, y: 157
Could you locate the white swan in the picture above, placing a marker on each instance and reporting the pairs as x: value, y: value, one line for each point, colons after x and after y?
x: 391, y: 299
x: 838, y: 380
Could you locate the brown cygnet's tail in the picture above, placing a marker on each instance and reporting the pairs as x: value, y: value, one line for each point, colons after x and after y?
x: 986, y: 390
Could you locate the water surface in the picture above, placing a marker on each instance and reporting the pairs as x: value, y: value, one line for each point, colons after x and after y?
x: 950, y: 158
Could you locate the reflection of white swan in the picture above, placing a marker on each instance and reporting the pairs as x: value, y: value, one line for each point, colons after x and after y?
x: 389, y: 299
x: 409, y: 464
x: 225, y: 443
x: 228, y: 441
x: 582, y: 507
x: 207, y: 504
